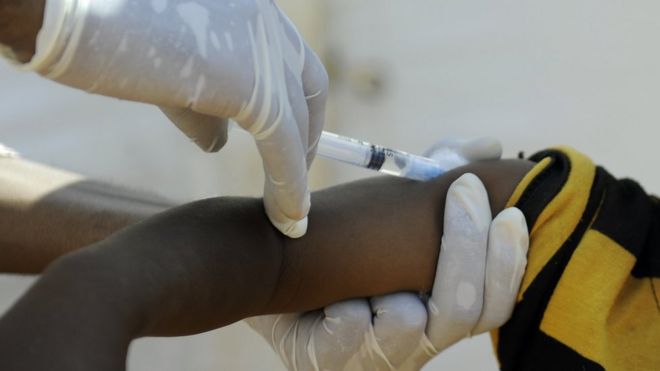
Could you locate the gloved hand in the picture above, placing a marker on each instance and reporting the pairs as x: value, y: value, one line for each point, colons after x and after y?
x: 480, y: 267
x: 479, y: 270
x: 204, y: 62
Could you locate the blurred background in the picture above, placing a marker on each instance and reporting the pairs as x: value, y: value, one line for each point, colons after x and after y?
x: 534, y: 74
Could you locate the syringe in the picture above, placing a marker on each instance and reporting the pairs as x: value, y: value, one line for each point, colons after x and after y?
x: 382, y: 159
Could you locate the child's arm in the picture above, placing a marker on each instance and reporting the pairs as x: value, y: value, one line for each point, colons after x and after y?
x: 46, y: 213
x: 213, y: 262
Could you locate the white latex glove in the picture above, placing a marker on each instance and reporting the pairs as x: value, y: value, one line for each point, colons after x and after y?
x: 480, y: 267
x: 395, y: 331
x: 205, y: 61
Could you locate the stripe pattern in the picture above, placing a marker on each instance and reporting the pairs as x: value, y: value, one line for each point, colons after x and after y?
x: 589, y: 298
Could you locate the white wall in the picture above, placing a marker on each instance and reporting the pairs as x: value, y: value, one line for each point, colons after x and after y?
x: 405, y: 73
x: 534, y: 74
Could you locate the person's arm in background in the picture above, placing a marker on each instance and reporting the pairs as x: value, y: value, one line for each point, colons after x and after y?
x: 213, y: 262
x: 203, y: 63
x: 20, y: 21
x: 46, y: 213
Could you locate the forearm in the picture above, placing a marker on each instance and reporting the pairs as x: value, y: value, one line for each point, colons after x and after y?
x: 210, y: 263
x: 207, y: 264
x: 20, y: 21
x: 377, y: 236
x: 46, y: 213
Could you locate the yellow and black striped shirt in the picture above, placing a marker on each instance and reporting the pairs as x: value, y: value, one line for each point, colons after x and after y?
x: 590, y: 296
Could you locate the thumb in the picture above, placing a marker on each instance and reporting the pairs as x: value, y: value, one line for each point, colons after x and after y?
x: 208, y: 132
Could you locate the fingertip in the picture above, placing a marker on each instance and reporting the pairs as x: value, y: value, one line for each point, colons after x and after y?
x: 402, y: 311
x: 291, y: 228
x: 510, y: 226
x: 468, y: 180
x: 297, y: 229
x: 468, y: 187
x: 347, y: 322
x: 349, y: 313
x: 468, y: 193
x: 287, y: 205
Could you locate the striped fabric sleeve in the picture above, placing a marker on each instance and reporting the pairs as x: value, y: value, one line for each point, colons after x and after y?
x: 589, y: 299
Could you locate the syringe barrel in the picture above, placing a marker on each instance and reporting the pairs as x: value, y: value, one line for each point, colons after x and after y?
x: 384, y: 160
x: 348, y: 150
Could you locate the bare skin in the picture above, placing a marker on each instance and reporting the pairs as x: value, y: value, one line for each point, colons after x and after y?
x: 20, y: 22
x: 46, y: 213
x: 210, y: 263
